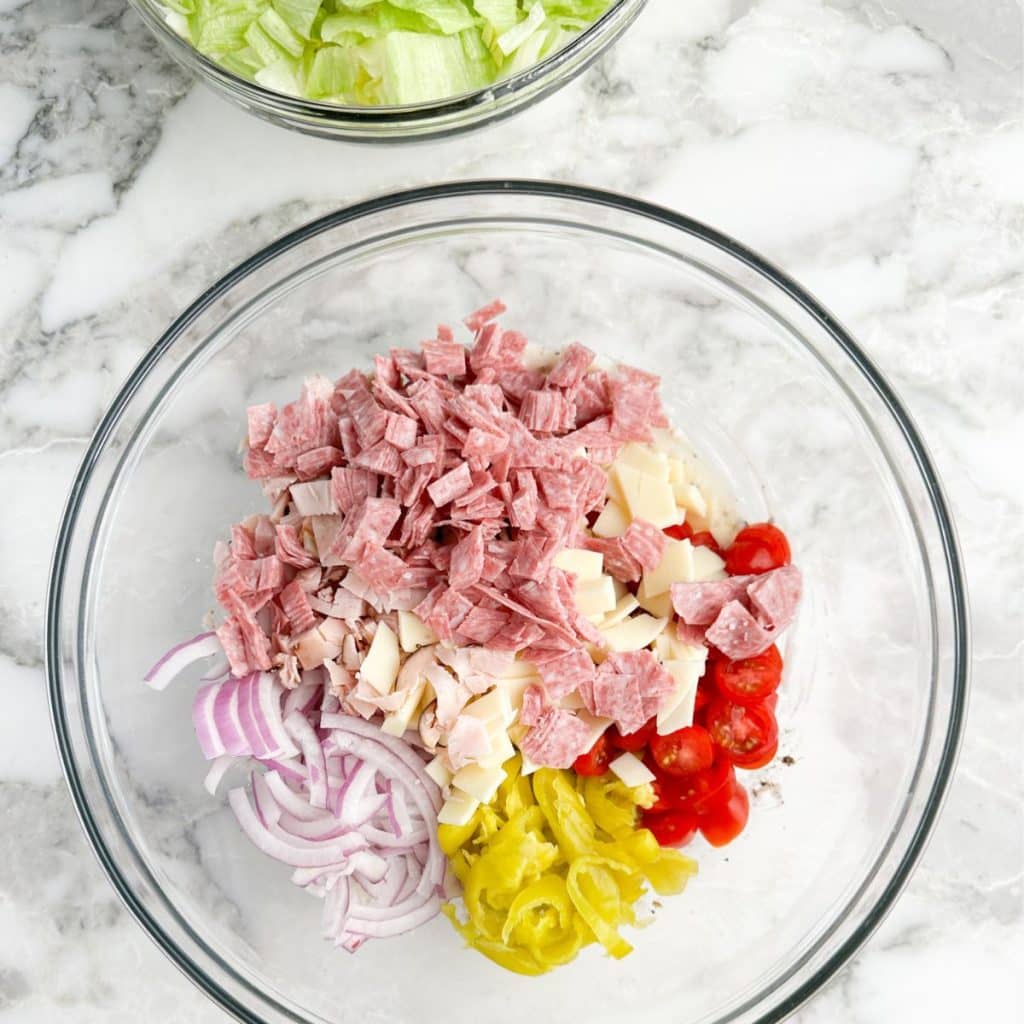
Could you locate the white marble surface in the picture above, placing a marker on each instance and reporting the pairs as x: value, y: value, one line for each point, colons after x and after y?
x: 875, y: 150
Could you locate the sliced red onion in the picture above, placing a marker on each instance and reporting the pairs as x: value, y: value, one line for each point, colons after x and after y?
x: 286, y: 767
x: 396, y: 923
x: 218, y: 769
x: 268, y: 698
x: 291, y: 802
x: 204, y: 723
x: 179, y: 657
x: 303, y: 733
x: 302, y: 698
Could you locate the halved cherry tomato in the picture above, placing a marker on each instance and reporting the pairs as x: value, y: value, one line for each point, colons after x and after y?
x: 690, y: 792
x: 726, y: 816
x: 681, y: 531
x: 705, y: 695
x: 684, y: 751
x: 771, y: 702
x: 632, y: 741
x: 595, y: 760
x: 749, y: 734
x: 670, y: 828
x: 705, y: 539
x: 756, y: 549
x: 748, y: 680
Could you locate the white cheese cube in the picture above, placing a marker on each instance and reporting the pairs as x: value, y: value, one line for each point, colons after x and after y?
x: 587, y: 565
x: 676, y: 711
x: 478, y: 781
x: 659, y: 605
x: 635, y: 633
x: 668, y: 647
x: 494, y: 705
x: 644, y: 458
x: 519, y: 669
x: 646, y: 496
x: 676, y: 566
x: 458, y: 809
x: 707, y: 565
x: 595, y: 596
x: 631, y: 770
x: 676, y: 471
x: 380, y: 666
x: 501, y: 745
x: 612, y: 522
x: 694, y: 500
x: 624, y: 607
x: 514, y: 690
x: 413, y: 633
x: 439, y: 772
x: 396, y: 723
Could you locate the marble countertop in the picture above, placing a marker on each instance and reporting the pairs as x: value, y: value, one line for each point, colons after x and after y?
x: 873, y: 149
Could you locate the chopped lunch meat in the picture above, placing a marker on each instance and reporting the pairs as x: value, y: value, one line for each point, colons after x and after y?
x: 556, y: 739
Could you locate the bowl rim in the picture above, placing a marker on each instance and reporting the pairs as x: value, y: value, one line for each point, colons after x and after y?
x: 587, y: 196
x: 598, y: 34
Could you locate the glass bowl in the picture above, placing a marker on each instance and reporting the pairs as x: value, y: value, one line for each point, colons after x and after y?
x: 763, y: 381
x: 399, y: 123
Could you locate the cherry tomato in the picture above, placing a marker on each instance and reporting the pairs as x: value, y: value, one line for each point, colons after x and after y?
x: 705, y: 695
x: 726, y: 816
x: 756, y: 549
x: 705, y: 539
x: 670, y: 828
x: 595, y: 760
x: 749, y: 734
x: 684, y: 751
x: 690, y: 792
x: 771, y: 702
x: 681, y: 531
x: 632, y: 741
x: 748, y: 680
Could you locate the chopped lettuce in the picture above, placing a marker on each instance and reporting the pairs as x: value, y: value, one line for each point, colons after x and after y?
x: 366, y: 52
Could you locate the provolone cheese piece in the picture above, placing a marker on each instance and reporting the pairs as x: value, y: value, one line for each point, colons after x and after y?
x: 612, y: 522
x: 694, y: 500
x: 413, y: 633
x: 668, y: 647
x: 660, y: 605
x: 501, y: 746
x: 631, y: 770
x: 676, y: 711
x: 634, y: 634
x: 396, y: 723
x: 707, y: 565
x: 676, y: 566
x: 644, y: 458
x: 380, y: 666
x: 438, y: 771
x: 624, y: 607
x: 458, y: 809
x: 646, y: 496
x: 493, y: 705
x: 587, y: 565
x: 479, y: 781
x: 676, y: 471
x: 596, y: 596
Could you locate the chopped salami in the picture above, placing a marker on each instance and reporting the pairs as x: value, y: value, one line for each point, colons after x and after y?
x: 775, y: 595
x: 698, y: 604
x: 556, y: 740
x: 444, y: 358
x: 737, y: 634
x: 571, y: 366
x: 567, y: 673
x: 481, y: 624
x: 452, y: 485
x: 261, y: 423
x: 534, y: 704
x: 401, y: 431
x: 295, y: 605
x: 484, y: 315
x: 645, y: 543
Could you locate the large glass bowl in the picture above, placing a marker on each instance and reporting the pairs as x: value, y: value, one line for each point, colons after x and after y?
x: 398, y: 123
x: 762, y: 380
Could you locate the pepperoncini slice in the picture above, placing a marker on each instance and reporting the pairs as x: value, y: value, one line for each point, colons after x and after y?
x: 554, y: 863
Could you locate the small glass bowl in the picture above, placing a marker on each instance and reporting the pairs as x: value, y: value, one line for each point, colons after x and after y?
x: 399, y: 123
x: 764, y: 383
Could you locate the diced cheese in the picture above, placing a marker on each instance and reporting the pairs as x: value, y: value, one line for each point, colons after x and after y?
x: 438, y: 771
x: 635, y: 633
x: 612, y: 522
x: 413, y: 633
x: 479, y: 781
x: 694, y: 500
x: 380, y: 666
x: 631, y: 770
x: 660, y: 606
x: 514, y: 689
x: 676, y: 566
x: 501, y: 746
x: 458, y: 809
x: 676, y: 471
x: 595, y: 596
x: 669, y: 647
x: 646, y: 496
x: 707, y: 565
x: 493, y: 705
x: 676, y: 711
x: 623, y: 607
x: 644, y: 458
x: 587, y: 565
x: 396, y: 723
